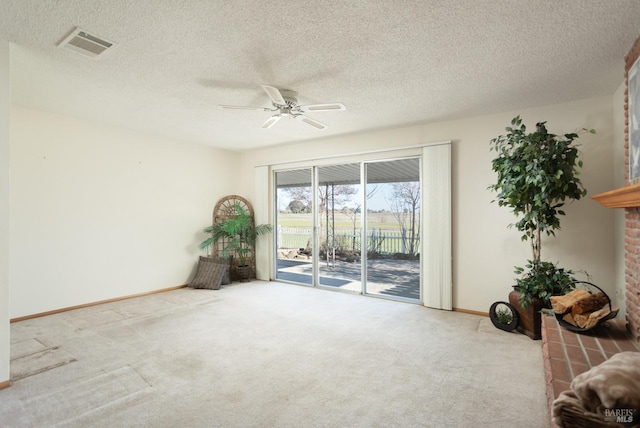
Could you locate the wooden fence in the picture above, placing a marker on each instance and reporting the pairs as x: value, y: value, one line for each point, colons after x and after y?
x: 379, y: 240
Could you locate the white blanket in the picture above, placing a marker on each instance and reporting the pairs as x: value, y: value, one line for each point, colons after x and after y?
x: 610, y: 388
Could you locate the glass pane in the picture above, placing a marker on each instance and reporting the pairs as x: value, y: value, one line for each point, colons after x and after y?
x: 294, y: 226
x: 393, y: 228
x: 339, y: 225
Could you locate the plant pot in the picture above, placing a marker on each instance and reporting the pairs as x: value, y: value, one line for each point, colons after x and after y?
x: 529, y: 318
x: 244, y: 273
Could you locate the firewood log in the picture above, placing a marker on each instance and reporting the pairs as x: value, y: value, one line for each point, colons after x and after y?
x: 589, y: 303
x: 589, y: 319
x: 563, y: 304
x: 569, y: 318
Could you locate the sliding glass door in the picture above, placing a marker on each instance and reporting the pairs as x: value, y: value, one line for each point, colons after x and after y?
x: 339, y: 214
x: 351, y: 227
x: 294, y: 226
x: 393, y: 204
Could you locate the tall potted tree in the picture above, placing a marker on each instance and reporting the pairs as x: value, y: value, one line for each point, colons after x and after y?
x: 537, y: 173
x: 239, y: 235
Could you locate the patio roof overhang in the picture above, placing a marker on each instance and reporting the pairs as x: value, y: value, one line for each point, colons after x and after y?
x: 396, y: 171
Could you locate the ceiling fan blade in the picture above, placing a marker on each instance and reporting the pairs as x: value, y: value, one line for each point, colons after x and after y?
x: 309, y: 121
x: 244, y: 108
x: 274, y: 94
x: 270, y: 122
x: 323, y: 107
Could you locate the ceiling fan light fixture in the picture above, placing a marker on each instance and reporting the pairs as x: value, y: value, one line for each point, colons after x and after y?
x: 285, y: 104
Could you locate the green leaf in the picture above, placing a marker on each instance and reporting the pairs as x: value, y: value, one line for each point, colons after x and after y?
x: 536, y: 172
x: 239, y: 233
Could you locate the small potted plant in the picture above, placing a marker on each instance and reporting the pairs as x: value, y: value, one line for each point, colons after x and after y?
x: 239, y: 235
x: 542, y: 279
x: 537, y: 173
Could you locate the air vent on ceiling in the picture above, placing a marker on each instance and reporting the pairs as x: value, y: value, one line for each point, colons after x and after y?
x: 82, y: 42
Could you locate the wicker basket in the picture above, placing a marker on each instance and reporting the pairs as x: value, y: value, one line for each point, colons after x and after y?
x: 573, y: 418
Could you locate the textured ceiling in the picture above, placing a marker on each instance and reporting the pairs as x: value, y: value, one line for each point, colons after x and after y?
x: 391, y: 62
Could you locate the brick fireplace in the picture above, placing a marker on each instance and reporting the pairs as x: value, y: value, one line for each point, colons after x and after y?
x: 628, y: 198
x: 632, y: 222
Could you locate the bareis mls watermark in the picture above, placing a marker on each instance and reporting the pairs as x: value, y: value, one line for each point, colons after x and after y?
x: 628, y: 417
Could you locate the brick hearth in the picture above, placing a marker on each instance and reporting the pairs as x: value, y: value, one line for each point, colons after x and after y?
x: 567, y: 354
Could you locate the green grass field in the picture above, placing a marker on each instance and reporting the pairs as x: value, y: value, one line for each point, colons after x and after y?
x: 384, y: 221
x: 296, y: 232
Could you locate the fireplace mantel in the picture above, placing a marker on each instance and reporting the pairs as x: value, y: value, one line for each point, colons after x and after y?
x: 623, y: 197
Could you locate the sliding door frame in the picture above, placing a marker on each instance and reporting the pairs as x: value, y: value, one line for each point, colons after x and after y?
x: 365, y: 245
x: 435, y: 174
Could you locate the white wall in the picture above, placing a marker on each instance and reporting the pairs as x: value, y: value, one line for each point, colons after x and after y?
x: 100, y: 212
x: 5, y: 102
x: 484, y: 249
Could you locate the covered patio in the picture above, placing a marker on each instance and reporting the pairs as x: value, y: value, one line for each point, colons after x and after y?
x: 389, y: 277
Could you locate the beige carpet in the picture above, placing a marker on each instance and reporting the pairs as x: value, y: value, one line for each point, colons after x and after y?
x: 270, y: 355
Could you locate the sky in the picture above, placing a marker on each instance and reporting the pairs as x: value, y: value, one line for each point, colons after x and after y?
x: 378, y: 200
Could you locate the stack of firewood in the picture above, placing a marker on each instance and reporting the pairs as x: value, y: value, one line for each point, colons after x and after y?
x: 581, y: 308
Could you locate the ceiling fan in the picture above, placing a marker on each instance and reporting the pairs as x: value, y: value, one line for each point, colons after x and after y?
x: 285, y: 104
